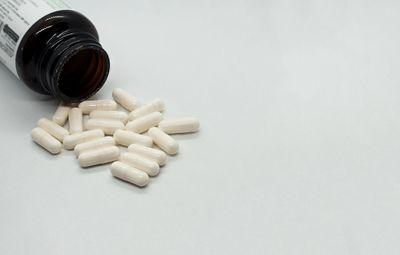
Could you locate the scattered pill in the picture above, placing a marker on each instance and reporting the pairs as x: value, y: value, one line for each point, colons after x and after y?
x: 108, y: 126
x: 144, y: 123
x: 111, y: 115
x: 157, y: 105
x: 94, y: 144
x: 164, y: 141
x: 130, y: 174
x: 179, y: 126
x: 61, y: 114
x: 99, y: 156
x: 141, y: 163
x: 93, y: 148
x: 44, y: 139
x: 70, y: 141
x: 53, y: 128
x: 126, y: 138
x: 153, y: 154
x: 75, y: 121
x: 92, y: 105
x: 125, y: 99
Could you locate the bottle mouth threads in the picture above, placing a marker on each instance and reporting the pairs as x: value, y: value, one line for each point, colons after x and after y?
x: 76, y: 66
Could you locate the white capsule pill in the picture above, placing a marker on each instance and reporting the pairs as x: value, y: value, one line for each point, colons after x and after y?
x: 157, y: 105
x: 75, y: 120
x: 70, y: 141
x: 44, y: 139
x: 164, y: 141
x: 152, y: 154
x: 99, y: 156
x: 180, y: 126
x: 94, y: 144
x: 109, y: 115
x: 53, y: 128
x: 126, y: 138
x: 130, y: 174
x: 141, y: 163
x: 91, y: 105
x: 108, y: 126
x: 144, y: 123
x: 61, y: 114
x: 125, y: 99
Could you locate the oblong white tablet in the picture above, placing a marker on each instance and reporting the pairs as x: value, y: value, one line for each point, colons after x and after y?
x: 91, y: 105
x: 153, y: 154
x: 144, y: 123
x: 53, y: 128
x: 126, y: 138
x: 44, y: 139
x: 61, y: 115
x: 157, y: 105
x: 70, y: 141
x: 75, y: 120
x: 141, y: 163
x: 99, y: 156
x: 125, y: 99
x: 130, y: 174
x: 108, y: 126
x: 94, y: 144
x: 112, y: 115
x: 180, y: 126
x: 164, y: 141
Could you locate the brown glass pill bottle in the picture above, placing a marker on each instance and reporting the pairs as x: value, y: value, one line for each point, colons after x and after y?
x: 53, y: 50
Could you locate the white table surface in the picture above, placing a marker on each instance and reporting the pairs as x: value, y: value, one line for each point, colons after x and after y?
x: 299, y: 149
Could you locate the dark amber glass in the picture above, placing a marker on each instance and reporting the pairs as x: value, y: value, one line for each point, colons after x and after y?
x: 61, y: 56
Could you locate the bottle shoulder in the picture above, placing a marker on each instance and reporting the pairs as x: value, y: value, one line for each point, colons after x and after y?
x: 53, y: 23
x: 38, y: 37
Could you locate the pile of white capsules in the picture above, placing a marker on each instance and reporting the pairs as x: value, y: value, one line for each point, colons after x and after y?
x: 95, y: 142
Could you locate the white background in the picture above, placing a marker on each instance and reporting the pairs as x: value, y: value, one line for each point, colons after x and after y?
x: 299, y: 147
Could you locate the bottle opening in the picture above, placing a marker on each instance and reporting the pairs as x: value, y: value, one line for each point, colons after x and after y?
x: 83, y: 74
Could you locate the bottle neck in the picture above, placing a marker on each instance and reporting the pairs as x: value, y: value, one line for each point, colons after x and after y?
x: 73, y: 66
